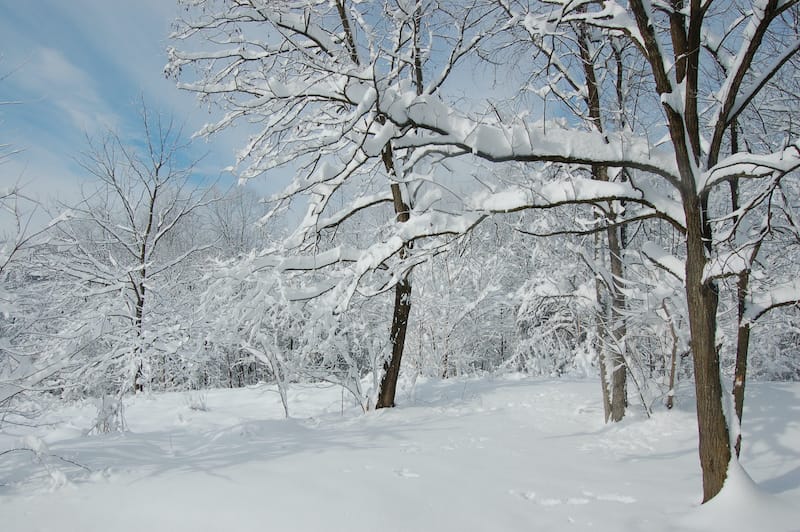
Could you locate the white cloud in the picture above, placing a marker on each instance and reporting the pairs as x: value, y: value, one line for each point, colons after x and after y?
x: 51, y: 77
x: 74, y: 93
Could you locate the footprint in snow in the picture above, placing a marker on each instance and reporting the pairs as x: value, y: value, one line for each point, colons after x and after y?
x: 550, y: 502
x: 527, y: 495
x: 613, y: 497
x: 405, y: 473
x: 586, y: 499
x: 577, y: 500
x: 409, y: 449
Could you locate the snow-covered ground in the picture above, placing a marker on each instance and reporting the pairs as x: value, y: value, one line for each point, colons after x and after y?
x: 499, y: 454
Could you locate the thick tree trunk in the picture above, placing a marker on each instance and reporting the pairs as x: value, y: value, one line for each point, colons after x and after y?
x: 702, y: 301
x: 701, y: 295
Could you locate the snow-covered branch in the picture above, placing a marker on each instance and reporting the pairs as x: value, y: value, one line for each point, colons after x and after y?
x: 781, y: 295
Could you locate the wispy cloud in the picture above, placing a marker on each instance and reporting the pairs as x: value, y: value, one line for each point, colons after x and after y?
x: 51, y: 77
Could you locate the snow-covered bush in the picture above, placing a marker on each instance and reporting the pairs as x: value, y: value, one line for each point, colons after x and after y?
x: 110, y: 416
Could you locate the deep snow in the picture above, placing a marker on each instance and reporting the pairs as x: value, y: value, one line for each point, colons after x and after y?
x: 494, y: 454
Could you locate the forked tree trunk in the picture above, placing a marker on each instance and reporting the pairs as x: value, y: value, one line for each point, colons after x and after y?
x: 613, y: 370
x: 701, y: 294
x: 402, y: 291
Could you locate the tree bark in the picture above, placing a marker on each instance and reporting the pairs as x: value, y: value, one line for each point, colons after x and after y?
x: 611, y: 337
x: 619, y: 373
x: 138, y: 375
x: 702, y: 301
x: 402, y: 309
x: 673, y: 359
x: 701, y: 294
x: 601, y: 349
x: 140, y: 287
x: 742, y: 349
x: 743, y: 331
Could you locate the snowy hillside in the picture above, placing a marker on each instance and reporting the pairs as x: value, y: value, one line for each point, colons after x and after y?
x: 498, y: 454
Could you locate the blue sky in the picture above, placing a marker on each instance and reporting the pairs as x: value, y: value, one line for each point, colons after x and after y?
x: 81, y: 67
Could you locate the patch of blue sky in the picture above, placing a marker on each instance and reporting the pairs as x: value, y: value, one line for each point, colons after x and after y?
x: 82, y: 68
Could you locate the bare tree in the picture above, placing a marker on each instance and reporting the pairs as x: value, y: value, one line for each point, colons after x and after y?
x: 117, y: 239
x: 234, y: 222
